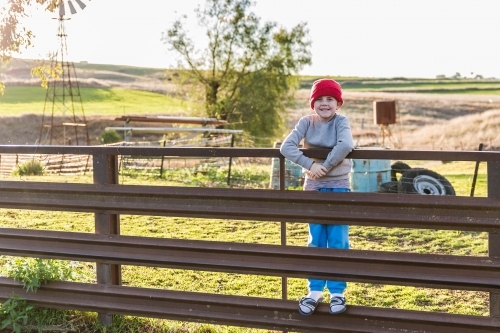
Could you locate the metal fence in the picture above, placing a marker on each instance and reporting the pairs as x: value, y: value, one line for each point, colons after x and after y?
x: 106, y: 199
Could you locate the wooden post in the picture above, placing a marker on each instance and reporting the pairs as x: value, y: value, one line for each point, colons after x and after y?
x: 494, y: 237
x: 106, y: 172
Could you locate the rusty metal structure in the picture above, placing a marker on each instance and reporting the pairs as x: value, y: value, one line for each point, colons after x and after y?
x: 63, y: 120
x: 385, y: 114
x: 208, y: 126
x: 107, y: 200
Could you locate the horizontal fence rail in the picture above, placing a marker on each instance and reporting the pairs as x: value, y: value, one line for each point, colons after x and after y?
x: 242, y: 311
x: 424, y: 270
x: 429, y: 155
x: 388, y: 210
x: 107, y: 200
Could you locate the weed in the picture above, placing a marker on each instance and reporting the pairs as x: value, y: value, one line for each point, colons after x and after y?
x: 14, y: 312
x: 34, y: 272
x: 29, y: 168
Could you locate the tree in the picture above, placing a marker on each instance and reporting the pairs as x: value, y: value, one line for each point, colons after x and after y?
x: 247, y: 72
x: 14, y: 37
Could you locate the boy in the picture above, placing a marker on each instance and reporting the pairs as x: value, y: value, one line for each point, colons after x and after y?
x: 324, y: 129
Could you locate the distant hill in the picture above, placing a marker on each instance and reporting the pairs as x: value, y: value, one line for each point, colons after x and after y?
x: 17, y: 72
x: 26, y: 64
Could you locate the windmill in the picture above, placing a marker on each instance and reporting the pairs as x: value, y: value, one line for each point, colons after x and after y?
x: 63, y: 120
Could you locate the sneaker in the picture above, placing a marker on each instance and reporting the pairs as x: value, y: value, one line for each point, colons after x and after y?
x: 337, y: 304
x: 308, y: 305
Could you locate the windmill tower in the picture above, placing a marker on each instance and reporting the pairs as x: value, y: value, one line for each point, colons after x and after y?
x: 63, y: 120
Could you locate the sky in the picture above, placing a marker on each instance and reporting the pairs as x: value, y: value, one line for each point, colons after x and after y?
x: 369, y: 38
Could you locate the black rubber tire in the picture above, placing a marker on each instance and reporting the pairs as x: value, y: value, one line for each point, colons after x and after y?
x: 425, y: 182
x: 398, y: 167
x: 389, y: 187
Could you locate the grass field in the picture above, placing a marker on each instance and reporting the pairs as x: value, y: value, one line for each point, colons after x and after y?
x: 96, y: 101
x: 366, y: 238
x: 416, y: 85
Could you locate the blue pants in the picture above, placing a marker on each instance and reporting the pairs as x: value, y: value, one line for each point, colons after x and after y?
x: 328, y: 236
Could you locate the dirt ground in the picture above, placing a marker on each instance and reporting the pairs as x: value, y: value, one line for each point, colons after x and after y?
x: 425, y: 121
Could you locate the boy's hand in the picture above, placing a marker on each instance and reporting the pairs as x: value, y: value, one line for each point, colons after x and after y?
x: 317, y: 171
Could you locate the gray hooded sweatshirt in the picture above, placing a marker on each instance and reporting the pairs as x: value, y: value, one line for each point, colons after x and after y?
x: 334, y: 134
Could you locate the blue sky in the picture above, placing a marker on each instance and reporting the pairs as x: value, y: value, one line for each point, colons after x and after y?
x: 378, y: 38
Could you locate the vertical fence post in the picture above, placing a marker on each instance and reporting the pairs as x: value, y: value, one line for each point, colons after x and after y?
x: 284, y: 286
x: 494, y: 237
x: 284, y: 280
x: 106, y: 172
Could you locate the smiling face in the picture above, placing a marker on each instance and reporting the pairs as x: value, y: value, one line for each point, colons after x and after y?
x: 325, y: 107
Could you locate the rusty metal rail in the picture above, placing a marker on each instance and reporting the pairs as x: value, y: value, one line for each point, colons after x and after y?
x: 242, y: 311
x: 429, y: 155
x: 388, y: 210
x: 423, y: 270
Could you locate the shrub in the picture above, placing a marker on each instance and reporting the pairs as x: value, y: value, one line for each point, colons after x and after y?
x: 110, y: 136
x: 33, y: 272
x: 29, y: 168
x: 14, y: 312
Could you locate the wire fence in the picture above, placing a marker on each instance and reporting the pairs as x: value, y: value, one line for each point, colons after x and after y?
x: 242, y: 172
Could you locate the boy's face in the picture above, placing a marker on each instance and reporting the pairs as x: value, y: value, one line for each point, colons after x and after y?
x: 325, y: 107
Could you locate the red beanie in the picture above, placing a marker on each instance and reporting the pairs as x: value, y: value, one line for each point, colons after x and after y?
x: 326, y: 87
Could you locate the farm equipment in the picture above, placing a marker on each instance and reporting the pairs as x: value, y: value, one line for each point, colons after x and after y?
x: 416, y: 181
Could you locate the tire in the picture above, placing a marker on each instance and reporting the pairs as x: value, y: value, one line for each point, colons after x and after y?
x: 425, y: 182
x: 389, y: 187
x: 398, y: 167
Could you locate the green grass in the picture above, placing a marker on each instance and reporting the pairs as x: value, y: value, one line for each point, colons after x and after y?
x: 96, y: 101
x: 437, y: 86
x: 454, y: 87
x: 363, y: 238
x: 466, y: 91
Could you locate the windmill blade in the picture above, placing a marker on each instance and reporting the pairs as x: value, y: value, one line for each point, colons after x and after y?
x: 71, y: 7
x: 81, y: 4
x: 62, y: 12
